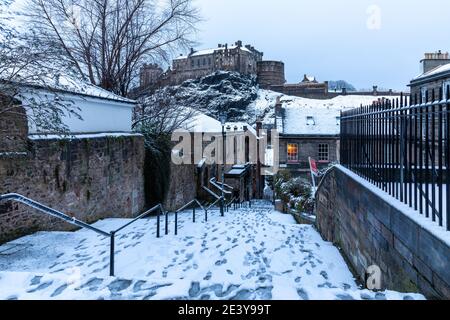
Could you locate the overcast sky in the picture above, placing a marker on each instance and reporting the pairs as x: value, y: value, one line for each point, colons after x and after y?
x: 365, y: 42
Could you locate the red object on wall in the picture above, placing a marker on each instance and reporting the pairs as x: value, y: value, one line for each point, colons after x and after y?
x: 313, y: 165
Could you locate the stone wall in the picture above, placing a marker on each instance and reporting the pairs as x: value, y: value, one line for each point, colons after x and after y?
x: 89, y: 179
x: 308, y: 147
x: 13, y: 127
x: 435, y: 85
x: 183, y: 186
x: 270, y: 73
x: 370, y: 230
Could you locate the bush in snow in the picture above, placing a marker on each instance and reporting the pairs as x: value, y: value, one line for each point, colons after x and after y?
x: 296, y: 193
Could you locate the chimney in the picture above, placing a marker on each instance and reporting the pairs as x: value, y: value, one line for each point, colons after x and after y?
x: 375, y: 90
x: 219, y: 45
x: 344, y: 91
x: 239, y: 44
x: 192, y: 51
x: 258, y: 127
x: 434, y: 60
x: 278, y: 107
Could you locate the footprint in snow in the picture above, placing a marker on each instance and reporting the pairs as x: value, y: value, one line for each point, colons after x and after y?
x: 208, y: 276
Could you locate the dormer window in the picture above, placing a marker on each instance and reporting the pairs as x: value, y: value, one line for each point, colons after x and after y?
x: 310, y: 121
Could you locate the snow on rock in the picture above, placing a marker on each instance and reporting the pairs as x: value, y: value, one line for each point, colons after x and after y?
x: 243, y: 101
x: 229, y: 91
x: 251, y: 253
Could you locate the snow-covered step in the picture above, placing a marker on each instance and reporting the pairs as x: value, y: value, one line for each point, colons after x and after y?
x: 250, y: 253
x: 73, y: 286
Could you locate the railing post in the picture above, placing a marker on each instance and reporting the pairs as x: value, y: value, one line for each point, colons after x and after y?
x: 167, y: 223
x: 206, y: 215
x: 222, y: 213
x: 111, y: 254
x: 176, y: 223
x: 193, y: 214
x: 158, y: 223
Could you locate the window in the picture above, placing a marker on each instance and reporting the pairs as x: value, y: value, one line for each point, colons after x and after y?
x: 423, y: 92
x: 198, y: 63
x: 310, y: 121
x: 292, y: 152
x: 192, y: 63
x: 445, y: 89
x: 204, y: 61
x: 338, y: 121
x: 209, y: 61
x: 323, y: 152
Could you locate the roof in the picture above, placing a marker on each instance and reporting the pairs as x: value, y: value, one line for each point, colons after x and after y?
x: 210, y: 51
x: 311, y: 117
x: 239, y: 127
x: 438, y: 71
x: 66, y: 84
x: 204, y: 123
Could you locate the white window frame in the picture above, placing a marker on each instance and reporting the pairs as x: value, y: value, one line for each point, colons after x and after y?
x: 290, y: 157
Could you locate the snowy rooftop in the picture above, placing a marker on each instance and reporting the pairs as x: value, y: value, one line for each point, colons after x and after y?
x: 64, y: 83
x: 317, y: 117
x: 204, y: 123
x: 210, y: 51
x: 438, y: 70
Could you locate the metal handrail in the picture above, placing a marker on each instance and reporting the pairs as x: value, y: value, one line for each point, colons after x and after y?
x: 146, y: 213
x: 214, y: 181
x: 220, y: 188
x: 198, y: 204
x: 52, y: 212
x: 214, y: 203
x: 71, y: 220
x: 211, y: 193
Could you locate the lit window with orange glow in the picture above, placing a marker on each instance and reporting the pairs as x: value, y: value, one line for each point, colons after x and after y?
x: 292, y: 152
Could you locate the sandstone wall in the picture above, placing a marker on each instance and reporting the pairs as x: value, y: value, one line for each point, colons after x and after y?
x: 372, y: 231
x: 89, y: 179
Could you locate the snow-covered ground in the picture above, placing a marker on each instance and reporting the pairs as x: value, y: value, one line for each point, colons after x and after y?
x: 251, y: 253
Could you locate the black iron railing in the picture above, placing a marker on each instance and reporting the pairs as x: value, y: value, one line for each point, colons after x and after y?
x: 402, y: 146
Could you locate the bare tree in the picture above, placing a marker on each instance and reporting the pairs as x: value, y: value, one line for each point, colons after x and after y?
x: 24, y: 64
x: 107, y: 41
x: 159, y: 115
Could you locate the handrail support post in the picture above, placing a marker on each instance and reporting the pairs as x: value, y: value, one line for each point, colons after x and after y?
x: 111, y: 253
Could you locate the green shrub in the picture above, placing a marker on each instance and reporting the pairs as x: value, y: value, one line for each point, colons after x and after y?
x: 296, y: 193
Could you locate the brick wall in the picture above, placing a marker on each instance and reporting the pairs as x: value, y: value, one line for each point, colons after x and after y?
x: 372, y: 231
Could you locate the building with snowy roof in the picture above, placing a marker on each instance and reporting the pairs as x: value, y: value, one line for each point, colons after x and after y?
x: 87, y: 108
x: 81, y: 106
x: 238, y: 58
x: 311, y: 128
x: 435, y: 76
